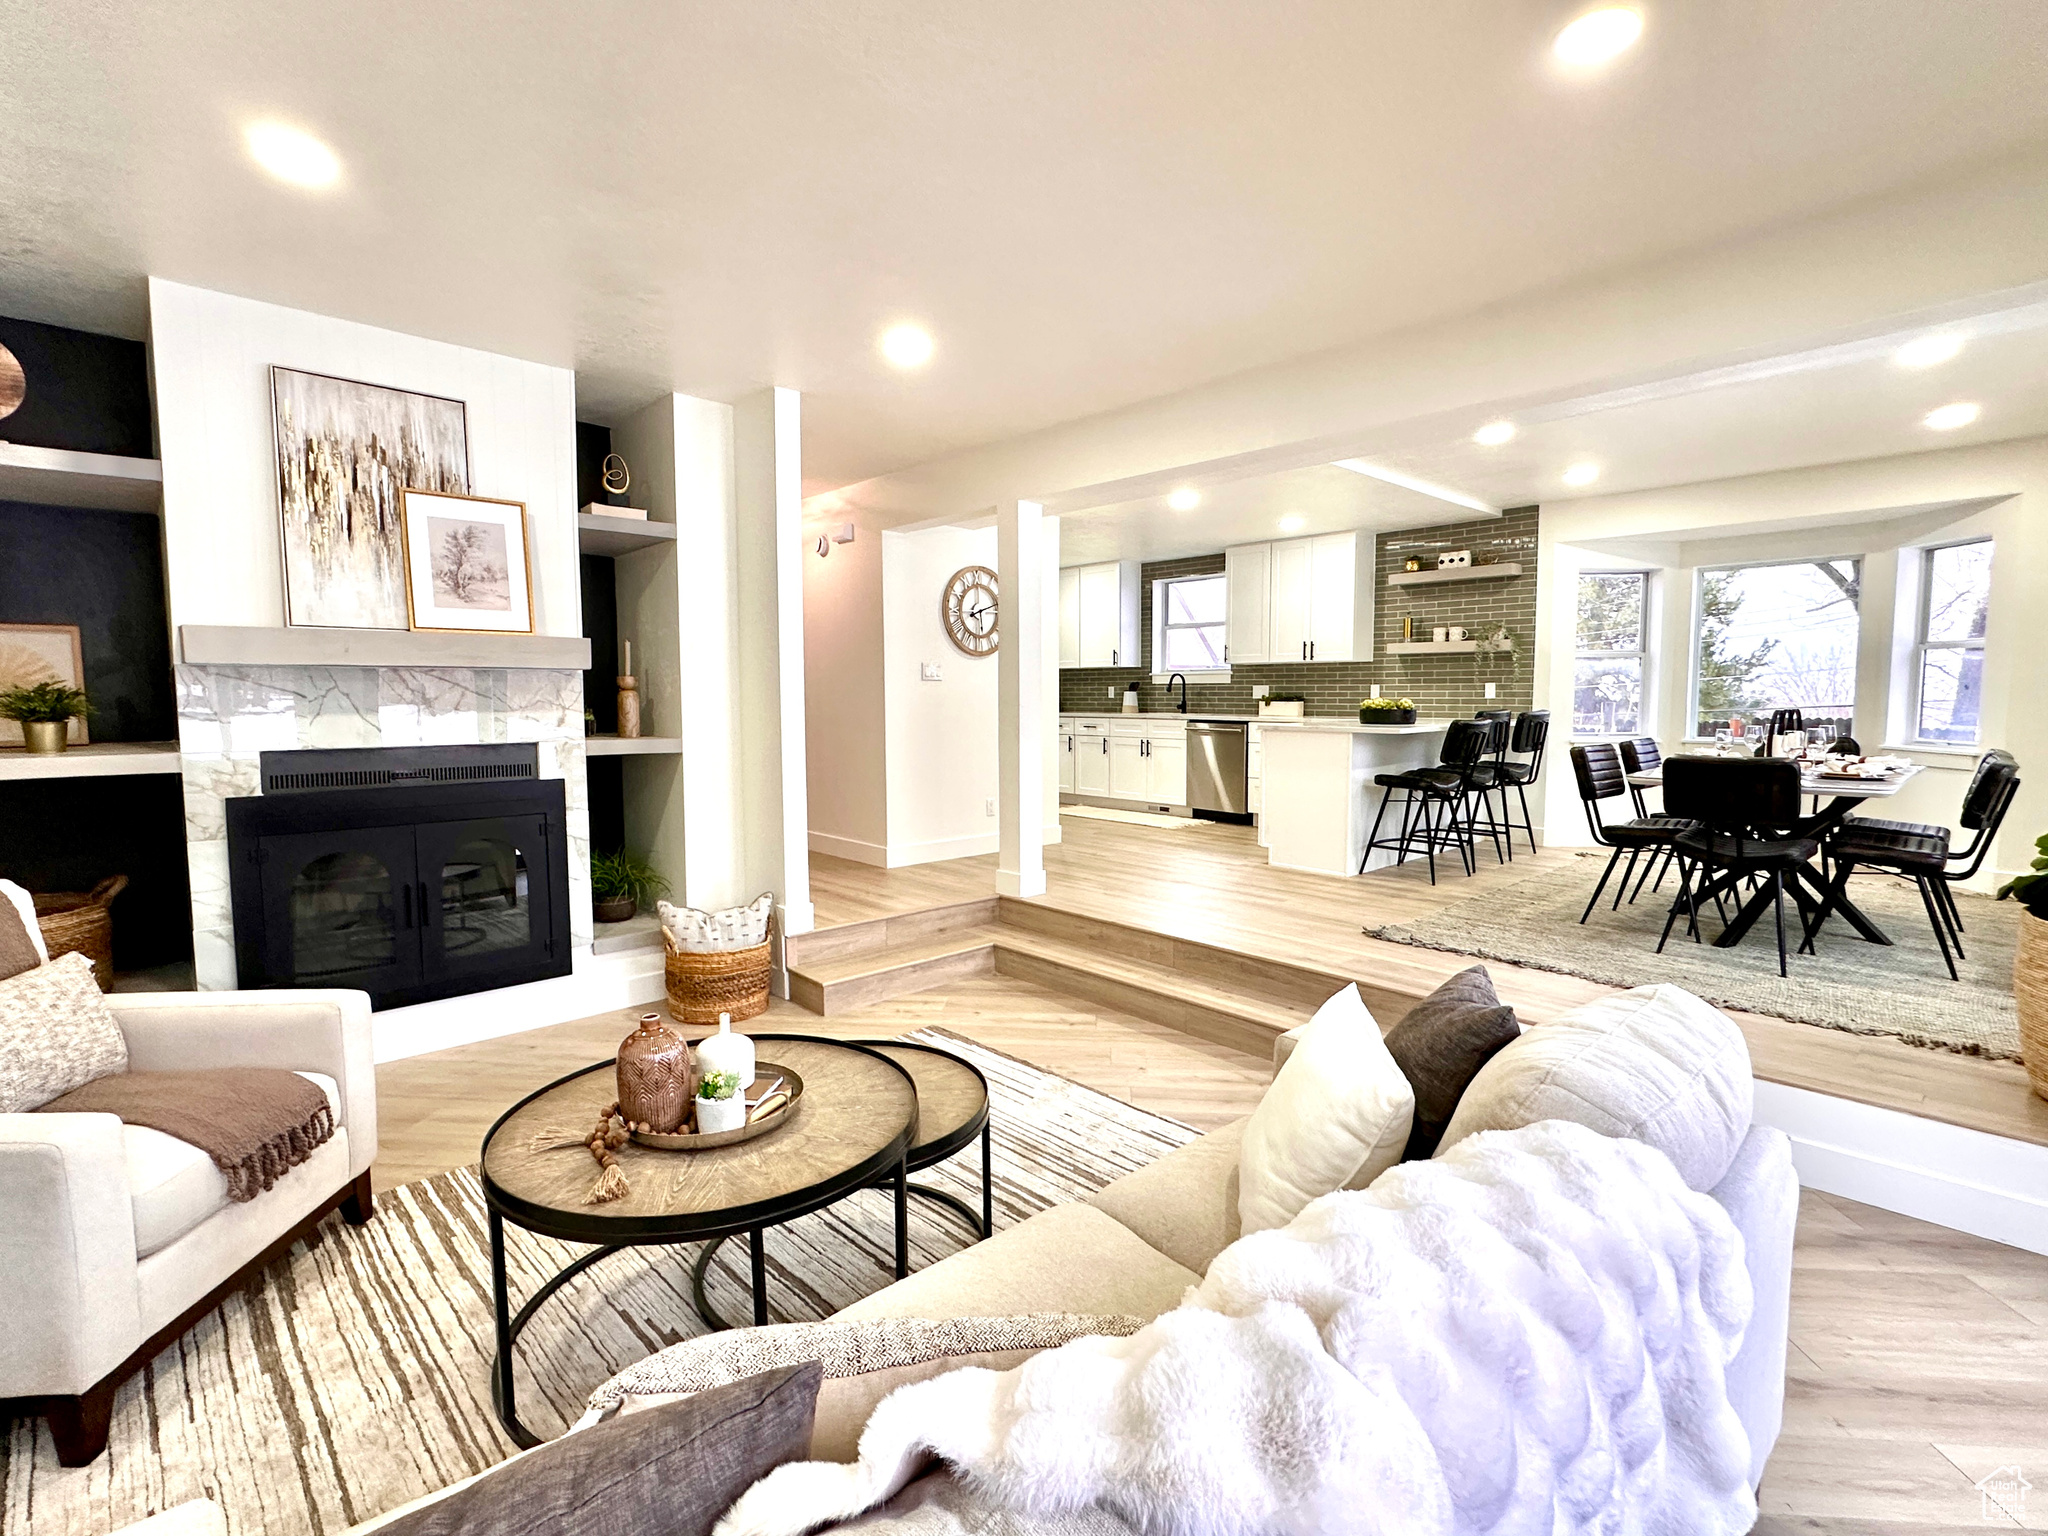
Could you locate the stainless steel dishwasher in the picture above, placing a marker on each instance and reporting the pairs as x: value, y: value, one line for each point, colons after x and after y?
x: 1216, y: 767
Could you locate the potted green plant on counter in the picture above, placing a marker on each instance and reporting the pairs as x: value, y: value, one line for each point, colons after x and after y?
x: 2030, y: 966
x: 1386, y: 711
x: 619, y: 882
x: 45, y: 712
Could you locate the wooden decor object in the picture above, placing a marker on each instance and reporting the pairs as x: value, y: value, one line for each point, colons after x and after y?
x: 2030, y: 993
x: 79, y: 921
x: 701, y: 986
x: 629, y: 698
x: 654, y: 1076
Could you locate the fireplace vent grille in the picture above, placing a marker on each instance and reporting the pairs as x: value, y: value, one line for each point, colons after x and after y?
x: 396, y: 767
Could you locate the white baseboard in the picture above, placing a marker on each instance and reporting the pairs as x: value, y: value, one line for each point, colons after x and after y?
x: 599, y: 983
x: 849, y: 848
x: 932, y: 852
x: 1969, y: 1181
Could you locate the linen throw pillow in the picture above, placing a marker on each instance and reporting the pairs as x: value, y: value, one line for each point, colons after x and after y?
x: 1336, y: 1117
x: 1655, y: 1064
x: 56, y: 1034
x: 1440, y: 1047
x: 21, y: 936
x: 671, y: 1471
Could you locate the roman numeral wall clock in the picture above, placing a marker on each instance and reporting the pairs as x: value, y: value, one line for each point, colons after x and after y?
x: 969, y: 610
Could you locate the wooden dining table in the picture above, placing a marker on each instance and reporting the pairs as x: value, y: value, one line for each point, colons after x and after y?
x: 1842, y: 794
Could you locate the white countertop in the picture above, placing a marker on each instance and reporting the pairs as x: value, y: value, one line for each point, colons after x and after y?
x: 1354, y: 728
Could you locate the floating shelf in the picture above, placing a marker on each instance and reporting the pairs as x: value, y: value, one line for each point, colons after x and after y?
x: 632, y: 746
x: 1445, y: 647
x: 224, y: 645
x: 1500, y: 572
x: 60, y: 477
x: 95, y: 760
x: 599, y: 534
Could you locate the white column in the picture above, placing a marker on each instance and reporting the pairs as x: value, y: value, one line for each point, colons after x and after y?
x: 768, y: 478
x: 1049, y: 680
x: 1021, y: 727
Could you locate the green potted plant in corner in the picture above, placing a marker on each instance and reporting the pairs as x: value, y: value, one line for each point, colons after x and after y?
x: 2030, y: 966
x: 1386, y: 711
x: 45, y: 712
x: 619, y: 882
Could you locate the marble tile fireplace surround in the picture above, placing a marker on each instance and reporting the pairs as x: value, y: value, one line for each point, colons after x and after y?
x: 229, y: 715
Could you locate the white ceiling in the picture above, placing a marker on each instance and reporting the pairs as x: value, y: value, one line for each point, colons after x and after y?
x: 1089, y: 205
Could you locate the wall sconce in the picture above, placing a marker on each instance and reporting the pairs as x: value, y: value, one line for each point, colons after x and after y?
x: 843, y: 534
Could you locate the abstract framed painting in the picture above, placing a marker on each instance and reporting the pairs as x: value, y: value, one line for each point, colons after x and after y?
x: 41, y: 653
x: 346, y: 453
x: 466, y: 566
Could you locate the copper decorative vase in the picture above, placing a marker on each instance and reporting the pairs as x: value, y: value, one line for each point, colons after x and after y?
x: 655, y: 1079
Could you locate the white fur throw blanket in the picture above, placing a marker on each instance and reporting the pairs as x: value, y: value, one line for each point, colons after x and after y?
x: 1526, y: 1335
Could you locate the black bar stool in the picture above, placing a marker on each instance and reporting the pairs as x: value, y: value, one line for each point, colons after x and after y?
x: 1597, y: 767
x: 1432, y: 801
x: 1530, y: 735
x: 1488, y: 775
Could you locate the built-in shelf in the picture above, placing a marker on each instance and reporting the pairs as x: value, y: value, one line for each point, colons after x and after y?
x: 1498, y: 572
x: 60, y: 477
x: 632, y: 746
x: 95, y: 760
x: 640, y: 931
x: 600, y: 534
x: 1445, y: 647
x: 221, y: 645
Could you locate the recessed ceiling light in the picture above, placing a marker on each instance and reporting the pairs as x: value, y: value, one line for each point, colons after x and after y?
x: 1926, y: 351
x: 1291, y: 523
x: 1599, y: 35
x: 1186, y: 499
x: 1582, y: 473
x: 1949, y: 417
x: 1494, y: 433
x: 291, y: 154
x: 907, y: 346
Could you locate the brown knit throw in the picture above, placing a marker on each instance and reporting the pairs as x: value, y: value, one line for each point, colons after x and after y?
x: 256, y: 1123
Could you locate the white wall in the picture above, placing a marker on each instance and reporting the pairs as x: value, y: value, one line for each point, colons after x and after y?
x: 1874, y: 508
x: 843, y: 703
x: 941, y: 737
x: 210, y: 358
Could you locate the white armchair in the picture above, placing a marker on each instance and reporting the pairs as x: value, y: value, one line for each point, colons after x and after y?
x: 115, y: 1239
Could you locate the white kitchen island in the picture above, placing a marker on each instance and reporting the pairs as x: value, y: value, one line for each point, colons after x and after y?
x: 1319, y: 796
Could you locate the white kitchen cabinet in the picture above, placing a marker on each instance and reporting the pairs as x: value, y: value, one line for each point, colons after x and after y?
x: 1127, y: 767
x: 1099, y: 608
x: 1248, y: 622
x: 1318, y: 598
x: 1067, y: 744
x: 1070, y: 618
x: 1166, y: 767
x: 1091, y: 758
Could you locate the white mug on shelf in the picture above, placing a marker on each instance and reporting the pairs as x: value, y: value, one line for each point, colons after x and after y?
x: 1441, y: 634
x: 1457, y: 632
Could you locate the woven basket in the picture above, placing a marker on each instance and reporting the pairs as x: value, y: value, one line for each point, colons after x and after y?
x: 2030, y: 991
x: 702, y: 986
x: 79, y: 921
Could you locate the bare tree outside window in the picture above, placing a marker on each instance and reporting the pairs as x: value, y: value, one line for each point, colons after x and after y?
x: 1955, y: 602
x: 1778, y: 636
x: 1613, y: 645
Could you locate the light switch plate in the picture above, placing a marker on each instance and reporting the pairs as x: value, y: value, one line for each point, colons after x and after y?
x: 1376, y: 690
x: 1260, y: 690
x: 1489, y: 690
x: 1112, y: 692
x: 988, y: 806
x: 928, y: 672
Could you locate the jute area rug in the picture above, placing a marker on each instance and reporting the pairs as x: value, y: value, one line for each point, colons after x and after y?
x: 355, y: 1374
x: 1902, y: 990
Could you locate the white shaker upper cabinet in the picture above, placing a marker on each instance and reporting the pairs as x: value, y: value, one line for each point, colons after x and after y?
x: 1248, y: 627
x: 1099, y: 606
x: 1293, y: 593
x: 1321, y: 598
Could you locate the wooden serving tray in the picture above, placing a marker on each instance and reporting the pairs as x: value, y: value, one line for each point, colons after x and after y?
x: 764, y: 1072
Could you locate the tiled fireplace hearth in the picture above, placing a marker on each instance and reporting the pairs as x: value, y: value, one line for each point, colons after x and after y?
x: 228, y: 716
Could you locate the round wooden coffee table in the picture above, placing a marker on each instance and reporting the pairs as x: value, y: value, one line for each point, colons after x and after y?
x: 854, y: 1126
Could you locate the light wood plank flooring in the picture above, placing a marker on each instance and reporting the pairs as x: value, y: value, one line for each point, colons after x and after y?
x: 1214, y: 885
x: 1919, y: 1357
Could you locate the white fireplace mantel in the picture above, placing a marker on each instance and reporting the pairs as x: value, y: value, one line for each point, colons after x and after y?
x: 221, y: 645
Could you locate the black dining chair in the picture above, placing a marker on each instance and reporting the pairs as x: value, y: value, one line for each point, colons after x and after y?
x: 1640, y: 754
x: 1865, y: 827
x: 1737, y: 805
x: 1433, y: 801
x: 1844, y: 746
x: 1597, y: 768
x: 1924, y: 857
x: 1530, y: 735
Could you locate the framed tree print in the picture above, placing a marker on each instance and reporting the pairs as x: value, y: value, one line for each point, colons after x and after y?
x: 466, y: 566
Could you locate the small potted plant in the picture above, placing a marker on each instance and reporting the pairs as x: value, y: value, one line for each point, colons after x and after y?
x: 2030, y: 966
x: 619, y: 882
x: 45, y: 711
x: 1386, y: 711
x: 720, y: 1106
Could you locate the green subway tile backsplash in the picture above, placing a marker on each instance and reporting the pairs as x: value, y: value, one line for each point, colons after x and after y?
x: 1439, y: 685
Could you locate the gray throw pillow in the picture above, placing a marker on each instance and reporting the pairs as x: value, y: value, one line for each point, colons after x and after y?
x: 1440, y: 1047
x: 671, y: 1471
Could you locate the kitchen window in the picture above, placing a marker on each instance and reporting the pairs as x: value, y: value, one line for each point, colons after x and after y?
x: 1778, y: 636
x: 1613, y: 651
x: 1188, y: 624
x: 1948, y: 660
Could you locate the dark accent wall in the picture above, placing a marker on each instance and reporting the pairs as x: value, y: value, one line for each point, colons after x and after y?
x: 69, y: 834
x: 1439, y: 685
x: 592, y: 444
x: 600, y: 579
x: 607, y: 782
x: 86, y: 392
x: 104, y: 572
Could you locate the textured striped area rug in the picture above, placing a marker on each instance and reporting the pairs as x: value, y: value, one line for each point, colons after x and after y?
x: 355, y: 1374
